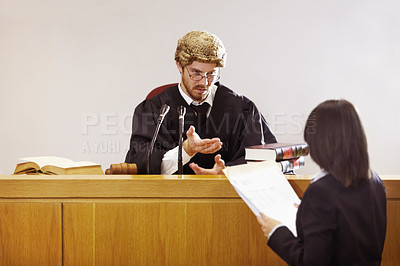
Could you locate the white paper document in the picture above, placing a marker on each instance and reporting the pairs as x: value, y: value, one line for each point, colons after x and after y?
x: 264, y: 188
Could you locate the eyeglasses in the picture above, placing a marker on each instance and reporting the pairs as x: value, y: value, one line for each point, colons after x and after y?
x: 211, y: 78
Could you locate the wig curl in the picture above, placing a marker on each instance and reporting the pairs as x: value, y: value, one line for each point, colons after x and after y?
x: 200, y: 46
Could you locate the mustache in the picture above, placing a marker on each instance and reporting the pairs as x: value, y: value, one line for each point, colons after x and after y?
x: 200, y: 87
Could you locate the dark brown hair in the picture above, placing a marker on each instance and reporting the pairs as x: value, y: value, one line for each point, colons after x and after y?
x: 337, y: 141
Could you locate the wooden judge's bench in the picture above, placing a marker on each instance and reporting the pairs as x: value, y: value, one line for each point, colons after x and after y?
x: 143, y: 220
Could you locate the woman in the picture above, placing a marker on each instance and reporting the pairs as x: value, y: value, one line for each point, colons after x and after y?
x: 342, y: 217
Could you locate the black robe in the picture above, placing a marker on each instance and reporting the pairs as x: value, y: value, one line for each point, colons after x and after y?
x: 233, y: 118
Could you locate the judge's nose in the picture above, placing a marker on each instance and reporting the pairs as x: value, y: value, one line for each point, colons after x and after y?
x: 204, y: 81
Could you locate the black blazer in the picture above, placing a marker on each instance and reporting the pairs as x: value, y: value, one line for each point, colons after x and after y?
x: 336, y: 225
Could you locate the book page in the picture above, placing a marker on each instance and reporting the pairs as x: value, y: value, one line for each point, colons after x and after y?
x: 71, y: 164
x: 265, y: 189
x: 46, y: 160
x: 56, y: 161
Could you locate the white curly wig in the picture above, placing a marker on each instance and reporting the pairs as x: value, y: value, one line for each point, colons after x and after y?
x: 200, y: 46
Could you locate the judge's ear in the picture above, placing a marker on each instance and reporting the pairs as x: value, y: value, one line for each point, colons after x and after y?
x: 180, y: 68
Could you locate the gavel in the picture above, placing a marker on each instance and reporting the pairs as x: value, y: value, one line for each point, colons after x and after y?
x: 122, y: 169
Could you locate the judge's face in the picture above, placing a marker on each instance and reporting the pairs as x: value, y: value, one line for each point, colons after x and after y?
x: 197, y: 79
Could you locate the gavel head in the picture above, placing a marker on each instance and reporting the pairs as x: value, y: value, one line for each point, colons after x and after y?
x: 122, y: 169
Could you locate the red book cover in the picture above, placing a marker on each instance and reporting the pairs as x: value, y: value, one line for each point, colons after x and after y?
x: 276, y: 151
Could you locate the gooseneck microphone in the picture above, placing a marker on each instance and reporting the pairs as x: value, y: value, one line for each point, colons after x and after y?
x: 181, y: 112
x: 163, y: 112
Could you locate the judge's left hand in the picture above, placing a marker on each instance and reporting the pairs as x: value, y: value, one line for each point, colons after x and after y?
x: 267, y: 223
x: 216, y: 170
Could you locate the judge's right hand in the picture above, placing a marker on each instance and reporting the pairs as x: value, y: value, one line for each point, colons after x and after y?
x: 194, y: 144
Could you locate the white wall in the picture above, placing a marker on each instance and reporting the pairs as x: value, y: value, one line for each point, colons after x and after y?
x: 71, y: 72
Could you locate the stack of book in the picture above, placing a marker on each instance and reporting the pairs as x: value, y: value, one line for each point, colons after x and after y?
x: 289, y: 156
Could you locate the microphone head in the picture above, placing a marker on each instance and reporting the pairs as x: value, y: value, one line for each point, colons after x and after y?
x: 181, y: 110
x: 164, y: 109
x: 163, y: 112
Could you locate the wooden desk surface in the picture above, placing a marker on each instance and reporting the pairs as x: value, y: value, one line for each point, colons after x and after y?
x: 146, y: 186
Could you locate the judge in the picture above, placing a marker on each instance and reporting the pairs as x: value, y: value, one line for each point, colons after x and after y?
x: 219, y: 122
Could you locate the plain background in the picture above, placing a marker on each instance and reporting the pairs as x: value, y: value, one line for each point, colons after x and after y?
x: 72, y: 72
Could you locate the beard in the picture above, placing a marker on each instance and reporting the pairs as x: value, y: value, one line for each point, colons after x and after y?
x: 192, y: 91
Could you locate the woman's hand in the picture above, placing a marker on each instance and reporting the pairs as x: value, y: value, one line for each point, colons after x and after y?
x: 267, y: 223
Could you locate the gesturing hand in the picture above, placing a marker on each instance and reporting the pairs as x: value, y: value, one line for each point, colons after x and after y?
x: 216, y: 170
x: 194, y: 144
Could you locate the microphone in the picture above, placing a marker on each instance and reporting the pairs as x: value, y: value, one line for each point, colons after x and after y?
x: 181, y: 112
x: 163, y: 112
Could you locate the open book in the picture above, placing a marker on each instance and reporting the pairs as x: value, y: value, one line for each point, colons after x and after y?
x: 264, y: 188
x: 51, y: 165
